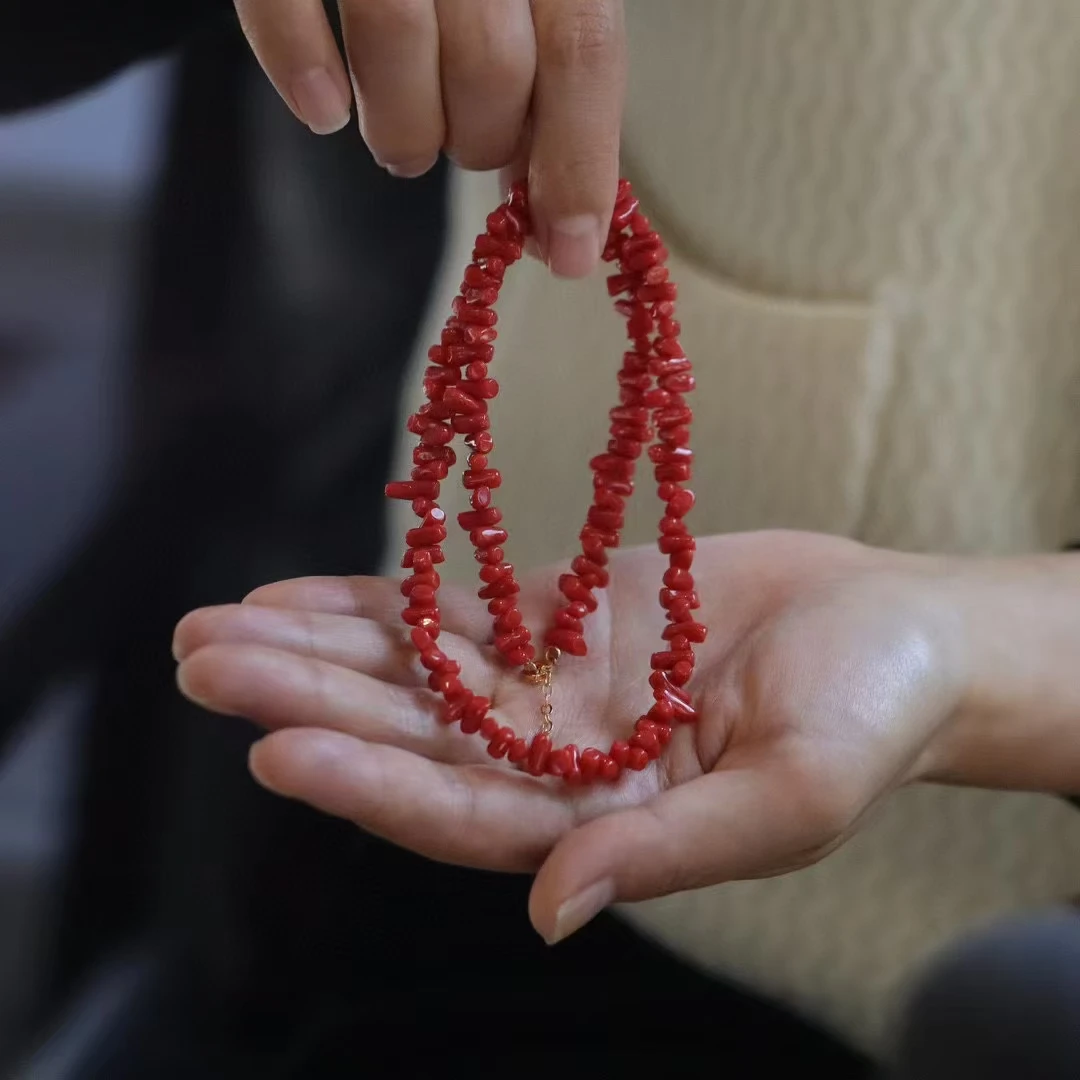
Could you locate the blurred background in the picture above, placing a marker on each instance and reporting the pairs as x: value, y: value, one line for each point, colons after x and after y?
x: 205, y: 313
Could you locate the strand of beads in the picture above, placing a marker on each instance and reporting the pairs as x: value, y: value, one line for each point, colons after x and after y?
x: 654, y: 378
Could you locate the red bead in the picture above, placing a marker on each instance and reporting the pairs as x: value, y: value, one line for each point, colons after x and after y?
x: 672, y: 416
x: 670, y: 348
x: 424, y: 455
x: 591, y: 574
x: 412, y: 489
x: 489, y: 727
x: 425, y: 536
x: 481, y: 388
x: 567, y: 640
x: 682, y: 560
x: 605, y: 519
x: 565, y: 621
x: 648, y: 741
x: 511, y: 639
x: 539, y: 750
x: 437, y: 435
x: 661, y: 454
x: 494, y: 572
x: 501, y: 604
x: 573, y: 588
x: 491, y: 556
x: 670, y: 597
x: 678, y: 472
x: 679, y: 580
x: 422, y: 558
x: 518, y: 752
x: 692, y: 631
x: 476, y: 519
x: 454, y: 710
x: 502, y: 742
x: 620, y: 753
x: 577, y: 609
x: 460, y: 401
x: 680, y: 383
x: 489, y: 536
x: 682, y: 671
x: 672, y: 543
x: 422, y: 596
x: 662, y: 712
x: 558, y: 763
x: 419, y: 616
x: 505, y: 587
x: 432, y: 471
x: 473, y: 714
x: 610, y: 770
x: 480, y: 499
x: 507, y: 621
x: 591, y: 761
x: 446, y: 683
x: 476, y: 370
x: 572, y: 775
x: 509, y: 251
x: 481, y: 441
x: 681, y: 503
x: 664, y: 661
x: 428, y: 577
x: 466, y: 425
x: 478, y: 478
x: 637, y: 758
x: 520, y: 655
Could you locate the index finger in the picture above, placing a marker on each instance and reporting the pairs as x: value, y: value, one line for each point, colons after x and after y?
x: 577, y: 112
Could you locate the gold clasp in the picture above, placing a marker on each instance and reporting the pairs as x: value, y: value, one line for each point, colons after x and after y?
x: 542, y: 675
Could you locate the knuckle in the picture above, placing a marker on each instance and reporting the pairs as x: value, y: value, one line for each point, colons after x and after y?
x: 585, y: 40
x: 396, y: 18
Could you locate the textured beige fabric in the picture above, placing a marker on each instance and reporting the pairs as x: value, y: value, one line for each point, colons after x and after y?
x: 873, y: 211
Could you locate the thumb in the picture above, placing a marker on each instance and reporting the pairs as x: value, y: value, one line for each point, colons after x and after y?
x: 753, y: 818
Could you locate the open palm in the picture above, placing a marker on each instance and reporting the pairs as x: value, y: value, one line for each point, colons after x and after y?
x: 818, y: 689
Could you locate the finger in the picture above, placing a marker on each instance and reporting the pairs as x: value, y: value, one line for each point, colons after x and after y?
x: 393, y: 50
x: 280, y: 689
x: 488, y: 59
x: 378, y: 599
x: 473, y: 816
x: 293, y: 42
x: 372, y: 648
x: 757, y: 817
x: 576, y: 114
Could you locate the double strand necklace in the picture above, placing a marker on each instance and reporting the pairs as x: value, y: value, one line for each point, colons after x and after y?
x: 654, y: 380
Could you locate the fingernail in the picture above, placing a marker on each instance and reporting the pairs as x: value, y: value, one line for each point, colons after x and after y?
x: 408, y: 170
x: 581, y: 908
x: 573, y: 245
x: 253, y: 768
x: 182, y: 685
x: 323, y: 105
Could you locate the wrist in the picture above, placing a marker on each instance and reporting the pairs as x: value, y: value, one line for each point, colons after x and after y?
x: 1014, y: 625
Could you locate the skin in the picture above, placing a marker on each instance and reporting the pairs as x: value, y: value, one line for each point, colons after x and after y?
x: 530, y: 87
x: 832, y: 674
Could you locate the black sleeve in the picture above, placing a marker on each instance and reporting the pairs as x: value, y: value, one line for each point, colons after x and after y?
x: 52, y: 48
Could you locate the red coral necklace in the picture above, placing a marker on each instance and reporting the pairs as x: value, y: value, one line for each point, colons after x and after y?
x: 653, y: 382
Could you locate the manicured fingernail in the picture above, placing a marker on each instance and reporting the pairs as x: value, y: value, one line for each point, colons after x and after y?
x: 322, y: 103
x: 580, y: 909
x: 573, y: 245
x: 408, y: 170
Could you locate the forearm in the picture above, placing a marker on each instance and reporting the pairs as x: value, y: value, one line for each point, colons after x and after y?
x: 1018, y: 723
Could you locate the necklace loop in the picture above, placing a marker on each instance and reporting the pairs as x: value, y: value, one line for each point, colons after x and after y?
x: 654, y: 379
